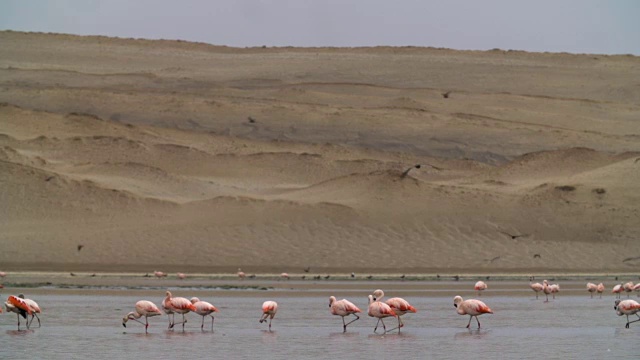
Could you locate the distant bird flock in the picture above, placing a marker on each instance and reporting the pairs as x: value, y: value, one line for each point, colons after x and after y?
x: 377, y: 308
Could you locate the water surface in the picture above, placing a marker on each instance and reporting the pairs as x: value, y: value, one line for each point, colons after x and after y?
x: 81, y: 324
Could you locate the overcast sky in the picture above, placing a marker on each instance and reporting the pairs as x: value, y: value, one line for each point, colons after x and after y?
x: 577, y: 26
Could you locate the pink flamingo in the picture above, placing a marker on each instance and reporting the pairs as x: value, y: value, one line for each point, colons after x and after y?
x: 285, y: 276
x: 178, y: 305
x: 636, y: 288
x: 35, y: 309
x: 471, y: 307
x: 3, y: 274
x: 546, y: 289
x: 480, y: 286
x: 537, y: 287
x: 380, y: 310
x: 343, y: 308
x: 143, y: 308
x: 617, y: 290
x: 181, y: 276
x: 269, y: 310
x: 399, y: 305
x: 203, y: 309
x: 159, y: 274
x: 600, y: 289
x: 628, y: 288
x: 627, y: 307
x: 555, y: 288
x: 591, y: 288
x: 20, y: 307
x: 241, y: 274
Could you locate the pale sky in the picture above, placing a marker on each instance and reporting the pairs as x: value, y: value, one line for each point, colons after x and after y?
x: 576, y: 26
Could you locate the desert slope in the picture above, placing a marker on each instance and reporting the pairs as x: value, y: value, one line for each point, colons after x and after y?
x: 182, y: 156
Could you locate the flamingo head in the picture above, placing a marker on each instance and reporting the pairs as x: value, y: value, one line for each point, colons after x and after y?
x: 617, y: 303
x: 332, y: 299
x: 371, y: 299
x: 378, y: 294
x: 194, y: 300
x: 456, y: 301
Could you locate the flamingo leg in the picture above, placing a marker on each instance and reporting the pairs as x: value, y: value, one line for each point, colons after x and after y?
x: 202, y: 326
x: 400, y: 324
x: 212, y: 320
x: 469, y: 324
x: 630, y: 322
x: 547, y: 298
x: 183, y: 321
x: 34, y: 315
x: 383, y: 326
x: 478, y: 322
x: 271, y: 318
x: 146, y: 325
x: 376, y: 328
x: 345, y: 325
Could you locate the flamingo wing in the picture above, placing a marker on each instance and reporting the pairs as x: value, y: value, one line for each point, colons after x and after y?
x: 20, y: 304
x: 269, y: 307
x: 476, y: 307
x: 400, y: 304
x: 180, y: 303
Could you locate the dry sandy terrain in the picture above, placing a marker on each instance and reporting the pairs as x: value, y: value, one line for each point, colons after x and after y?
x: 189, y: 157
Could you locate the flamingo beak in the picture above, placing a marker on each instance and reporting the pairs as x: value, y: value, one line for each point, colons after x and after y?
x: 455, y: 305
x: 123, y: 324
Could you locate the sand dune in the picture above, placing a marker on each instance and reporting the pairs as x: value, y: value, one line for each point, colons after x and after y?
x: 197, y: 157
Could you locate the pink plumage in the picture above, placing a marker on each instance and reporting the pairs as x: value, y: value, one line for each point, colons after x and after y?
x: 343, y: 308
x: 471, y: 307
x: 269, y: 310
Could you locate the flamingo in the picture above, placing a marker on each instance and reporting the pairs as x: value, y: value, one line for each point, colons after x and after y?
x: 555, y: 288
x: 546, y: 289
x: 628, y: 288
x: 343, y: 308
x: 471, y: 307
x: 143, y: 308
x: 34, y: 308
x: 285, y: 276
x: 591, y: 288
x: 627, y: 307
x: 241, y: 274
x: 3, y: 274
x: 637, y: 288
x: 178, y: 305
x: 600, y: 289
x: 203, y: 309
x: 480, y: 286
x: 20, y: 307
x: 269, y: 310
x: 181, y: 276
x: 379, y: 310
x: 537, y: 287
x: 399, y: 305
x: 159, y: 274
x: 617, y: 290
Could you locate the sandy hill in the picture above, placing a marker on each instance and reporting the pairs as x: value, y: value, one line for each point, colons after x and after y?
x: 184, y: 156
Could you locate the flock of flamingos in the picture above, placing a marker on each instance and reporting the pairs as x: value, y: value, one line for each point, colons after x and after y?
x: 393, y: 307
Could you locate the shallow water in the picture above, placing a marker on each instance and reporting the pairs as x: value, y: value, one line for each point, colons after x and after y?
x: 78, y: 326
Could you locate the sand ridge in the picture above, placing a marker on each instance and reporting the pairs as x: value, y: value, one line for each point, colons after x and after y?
x: 158, y: 153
